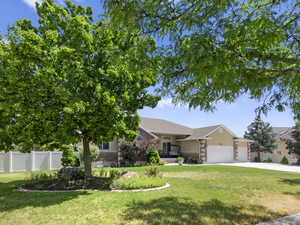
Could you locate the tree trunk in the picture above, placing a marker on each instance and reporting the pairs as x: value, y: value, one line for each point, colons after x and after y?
x: 258, y: 156
x: 87, y: 158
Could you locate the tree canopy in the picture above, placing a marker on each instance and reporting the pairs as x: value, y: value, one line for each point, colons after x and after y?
x: 219, y: 50
x: 262, y: 136
x: 72, y: 79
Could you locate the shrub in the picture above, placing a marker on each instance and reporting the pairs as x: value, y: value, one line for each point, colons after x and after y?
x: 71, y: 174
x: 269, y: 160
x: 180, y: 160
x: 256, y: 159
x: 138, y: 182
x: 114, y: 174
x: 152, y: 172
x: 131, y: 153
x: 298, y: 162
x: 68, y: 157
x: 95, y: 152
x: 153, y: 156
x: 194, y: 160
x: 162, y: 163
x: 284, y: 160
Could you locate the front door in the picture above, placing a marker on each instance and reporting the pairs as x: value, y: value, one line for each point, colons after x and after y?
x: 166, y: 148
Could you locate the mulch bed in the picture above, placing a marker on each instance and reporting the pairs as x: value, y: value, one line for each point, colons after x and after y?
x: 92, y: 183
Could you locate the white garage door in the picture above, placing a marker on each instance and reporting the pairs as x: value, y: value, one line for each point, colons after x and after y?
x: 242, y: 154
x: 219, y: 153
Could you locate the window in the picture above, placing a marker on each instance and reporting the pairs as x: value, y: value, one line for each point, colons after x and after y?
x: 105, y: 146
x: 140, y: 137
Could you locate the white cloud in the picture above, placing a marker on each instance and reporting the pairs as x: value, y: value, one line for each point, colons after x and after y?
x: 31, y: 3
x: 167, y: 103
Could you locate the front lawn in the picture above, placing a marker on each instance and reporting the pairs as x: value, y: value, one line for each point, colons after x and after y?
x: 198, y: 195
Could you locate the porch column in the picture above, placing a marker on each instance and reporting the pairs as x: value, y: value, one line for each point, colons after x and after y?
x: 235, y: 150
x: 203, y: 150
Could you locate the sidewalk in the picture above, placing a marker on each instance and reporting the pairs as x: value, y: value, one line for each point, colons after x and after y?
x: 288, y: 220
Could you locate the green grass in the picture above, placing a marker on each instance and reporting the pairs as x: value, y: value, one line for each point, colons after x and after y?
x: 202, y: 195
x: 138, y: 182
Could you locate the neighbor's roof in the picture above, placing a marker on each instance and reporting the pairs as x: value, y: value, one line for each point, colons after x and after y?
x: 160, y: 126
x: 282, y: 132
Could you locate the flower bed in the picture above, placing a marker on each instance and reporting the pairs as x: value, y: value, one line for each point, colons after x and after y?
x: 113, y: 179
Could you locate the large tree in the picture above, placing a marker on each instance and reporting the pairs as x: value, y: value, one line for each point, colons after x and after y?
x: 293, y: 143
x: 219, y: 50
x: 262, y: 136
x: 72, y: 79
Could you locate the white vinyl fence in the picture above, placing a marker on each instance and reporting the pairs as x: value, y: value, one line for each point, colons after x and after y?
x: 17, y: 161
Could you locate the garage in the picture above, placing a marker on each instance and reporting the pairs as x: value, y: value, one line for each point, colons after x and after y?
x: 243, y: 154
x: 219, y: 154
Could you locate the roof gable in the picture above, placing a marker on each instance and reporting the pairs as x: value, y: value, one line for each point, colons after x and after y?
x: 204, y: 132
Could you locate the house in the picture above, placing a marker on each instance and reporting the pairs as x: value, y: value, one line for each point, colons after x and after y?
x: 281, y: 134
x: 213, y: 144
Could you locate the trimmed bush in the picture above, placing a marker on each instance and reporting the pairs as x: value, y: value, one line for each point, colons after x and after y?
x: 298, y: 162
x: 284, y: 160
x: 153, y: 156
x: 180, y: 160
x: 68, y: 157
x: 269, y: 160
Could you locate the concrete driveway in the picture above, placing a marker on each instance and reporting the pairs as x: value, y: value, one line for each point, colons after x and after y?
x: 267, y: 166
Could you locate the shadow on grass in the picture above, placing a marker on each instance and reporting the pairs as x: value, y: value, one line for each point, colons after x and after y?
x: 295, y: 194
x: 11, y: 198
x: 291, y: 181
x: 182, y: 211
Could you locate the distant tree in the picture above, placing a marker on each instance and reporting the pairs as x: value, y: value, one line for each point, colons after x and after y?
x: 71, y: 79
x: 262, y: 136
x: 293, y: 144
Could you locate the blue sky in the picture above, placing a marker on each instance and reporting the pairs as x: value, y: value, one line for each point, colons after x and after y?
x: 236, y: 116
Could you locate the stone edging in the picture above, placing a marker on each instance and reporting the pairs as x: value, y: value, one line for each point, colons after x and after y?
x: 146, y: 189
x: 20, y: 188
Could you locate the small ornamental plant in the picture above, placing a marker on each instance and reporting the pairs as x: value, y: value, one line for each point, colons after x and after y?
x: 153, y: 157
x: 180, y: 160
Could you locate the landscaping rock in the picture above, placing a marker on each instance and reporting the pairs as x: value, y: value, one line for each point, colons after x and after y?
x: 129, y: 174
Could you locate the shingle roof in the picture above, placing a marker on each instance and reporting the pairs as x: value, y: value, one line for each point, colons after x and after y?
x: 281, y: 131
x: 164, y: 127
x: 160, y: 126
x: 200, y: 133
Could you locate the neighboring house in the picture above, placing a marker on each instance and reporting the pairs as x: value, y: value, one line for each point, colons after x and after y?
x: 281, y: 135
x: 209, y: 144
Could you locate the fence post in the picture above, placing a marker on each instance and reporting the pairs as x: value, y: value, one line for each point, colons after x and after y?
x: 32, y: 160
x: 50, y: 160
x: 10, y: 161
